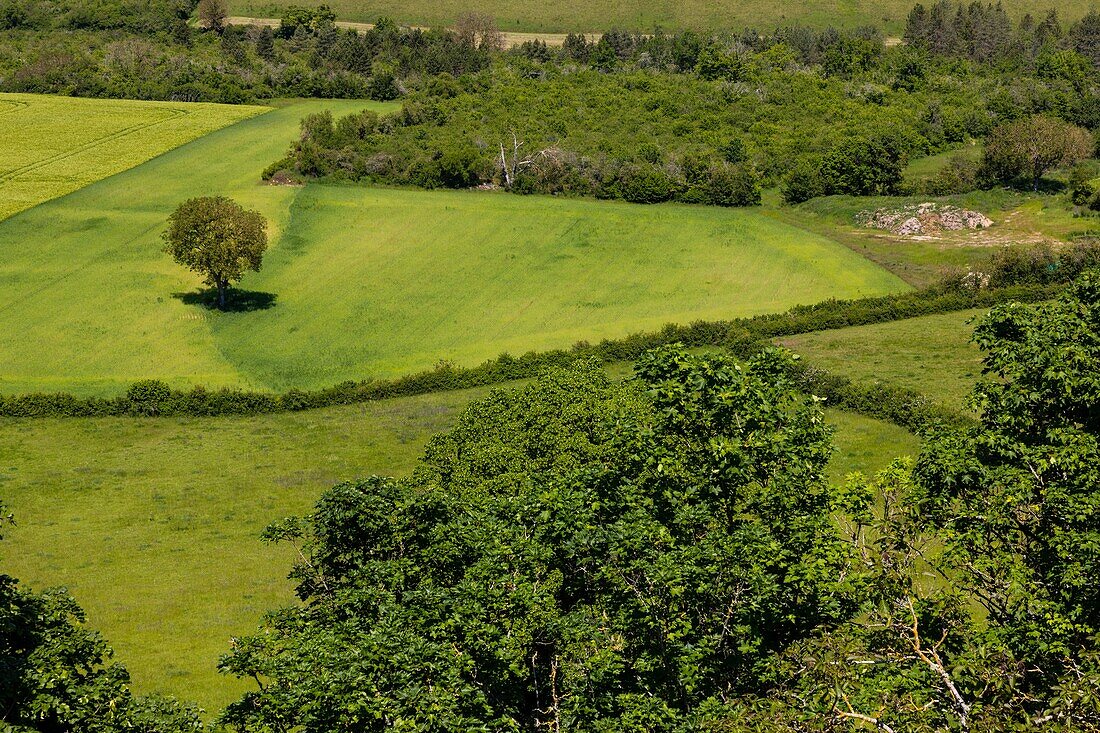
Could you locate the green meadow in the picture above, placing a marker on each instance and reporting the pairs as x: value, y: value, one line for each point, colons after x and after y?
x: 50, y: 146
x: 362, y: 282
x: 643, y: 15
x: 931, y: 354
x: 153, y: 524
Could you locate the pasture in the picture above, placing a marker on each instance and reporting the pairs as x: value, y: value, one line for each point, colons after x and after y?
x: 645, y: 15
x: 153, y: 524
x: 51, y: 146
x: 931, y: 354
x: 364, y: 282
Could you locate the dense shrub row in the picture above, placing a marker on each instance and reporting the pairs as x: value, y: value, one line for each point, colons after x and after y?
x: 743, y: 336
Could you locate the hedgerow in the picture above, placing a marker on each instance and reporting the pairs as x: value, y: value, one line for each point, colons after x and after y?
x: 744, y: 336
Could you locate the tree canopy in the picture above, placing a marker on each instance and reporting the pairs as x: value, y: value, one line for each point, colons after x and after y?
x: 217, y: 238
x: 580, y: 554
x: 1030, y: 147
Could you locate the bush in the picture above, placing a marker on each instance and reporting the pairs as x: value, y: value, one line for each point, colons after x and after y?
x: 863, y: 167
x: 645, y: 184
x: 148, y: 397
x: 803, y: 183
x: 1041, y: 264
x: 731, y: 185
x: 960, y: 175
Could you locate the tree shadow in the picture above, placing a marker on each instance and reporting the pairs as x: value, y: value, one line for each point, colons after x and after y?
x: 236, y: 301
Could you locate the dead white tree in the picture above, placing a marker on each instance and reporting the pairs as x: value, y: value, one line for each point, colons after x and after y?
x: 509, y: 167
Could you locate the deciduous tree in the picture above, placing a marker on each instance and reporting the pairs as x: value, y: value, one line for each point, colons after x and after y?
x: 217, y: 238
x: 1030, y: 147
x: 212, y: 14
x: 574, y: 555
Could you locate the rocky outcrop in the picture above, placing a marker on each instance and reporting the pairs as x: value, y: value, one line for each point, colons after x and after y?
x: 923, y: 219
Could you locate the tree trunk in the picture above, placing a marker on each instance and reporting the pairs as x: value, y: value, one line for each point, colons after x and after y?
x: 222, y: 288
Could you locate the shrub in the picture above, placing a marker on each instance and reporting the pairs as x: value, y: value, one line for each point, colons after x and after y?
x: 148, y: 397
x: 803, y: 183
x: 960, y: 175
x: 645, y: 184
x: 863, y: 167
x: 731, y: 185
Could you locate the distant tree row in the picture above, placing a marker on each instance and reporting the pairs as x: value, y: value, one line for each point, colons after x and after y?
x: 307, y: 55
x: 985, y: 33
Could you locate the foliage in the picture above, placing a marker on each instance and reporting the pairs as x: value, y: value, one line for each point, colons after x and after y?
x: 577, y: 554
x: 309, y: 18
x: 979, y: 561
x: 863, y: 167
x: 642, y: 135
x: 235, y: 66
x: 1030, y: 147
x: 217, y: 238
x: 959, y: 175
x: 212, y: 14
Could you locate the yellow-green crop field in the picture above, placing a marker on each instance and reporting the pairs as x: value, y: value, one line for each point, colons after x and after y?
x: 51, y: 146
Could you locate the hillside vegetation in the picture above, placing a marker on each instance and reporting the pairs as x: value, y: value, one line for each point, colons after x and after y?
x: 577, y: 16
x: 51, y: 146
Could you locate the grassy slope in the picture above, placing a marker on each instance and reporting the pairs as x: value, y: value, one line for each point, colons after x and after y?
x: 372, y: 281
x: 153, y: 523
x: 932, y: 354
x: 50, y: 146
x: 576, y: 15
x: 85, y: 292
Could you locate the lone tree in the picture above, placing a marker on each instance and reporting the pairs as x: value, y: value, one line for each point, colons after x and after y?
x: 217, y: 238
x: 1030, y: 147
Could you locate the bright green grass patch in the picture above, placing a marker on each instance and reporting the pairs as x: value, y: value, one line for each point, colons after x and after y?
x: 373, y: 282
x: 383, y: 282
x: 577, y: 15
x: 931, y: 354
x: 50, y: 146
x: 866, y: 445
x: 153, y: 523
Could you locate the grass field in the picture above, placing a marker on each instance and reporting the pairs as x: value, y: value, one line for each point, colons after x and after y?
x: 50, y: 146
x: 369, y: 282
x: 153, y: 523
x: 576, y: 15
x: 932, y: 354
